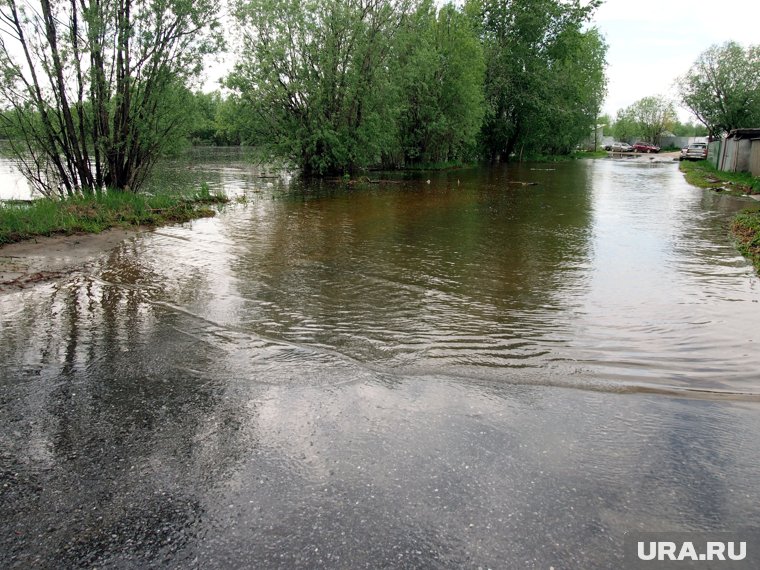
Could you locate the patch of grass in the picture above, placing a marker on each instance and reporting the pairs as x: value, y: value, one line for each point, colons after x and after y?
x: 590, y: 154
x: 746, y: 229
x: 93, y: 214
x: 702, y: 174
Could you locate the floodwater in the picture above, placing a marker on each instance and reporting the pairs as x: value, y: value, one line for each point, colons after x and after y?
x: 460, y: 373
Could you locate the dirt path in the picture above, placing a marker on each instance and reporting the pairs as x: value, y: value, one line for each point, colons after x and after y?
x: 23, y: 264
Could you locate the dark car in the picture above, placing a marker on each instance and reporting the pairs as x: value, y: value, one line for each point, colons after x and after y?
x: 695, y: 151
x: 645, y: 147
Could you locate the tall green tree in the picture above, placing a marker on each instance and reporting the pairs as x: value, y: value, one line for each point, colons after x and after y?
x: 647, y: 118
x: 315, y: 76
x: 544, y: 79
x: 626, y: 128
x: 441, y: 76
x: 98, y: 87
x: 722, y: 88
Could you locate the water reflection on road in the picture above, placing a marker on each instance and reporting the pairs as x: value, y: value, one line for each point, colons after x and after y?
x: 456, y: 374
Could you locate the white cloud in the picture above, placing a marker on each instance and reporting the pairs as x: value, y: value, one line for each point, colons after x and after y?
x: 653, y: 42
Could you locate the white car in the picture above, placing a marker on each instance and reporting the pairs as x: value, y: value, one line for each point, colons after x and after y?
x: 621, y: 147
x: 696, y: 151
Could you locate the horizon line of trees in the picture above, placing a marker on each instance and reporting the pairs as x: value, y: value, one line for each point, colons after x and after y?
x: 339, y: 85
x: 93, y: 92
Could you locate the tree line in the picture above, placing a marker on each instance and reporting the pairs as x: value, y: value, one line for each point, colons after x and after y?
x: 92, y: 92
x: 339, y: 85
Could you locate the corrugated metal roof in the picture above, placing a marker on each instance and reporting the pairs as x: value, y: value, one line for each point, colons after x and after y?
x: 744, y: 133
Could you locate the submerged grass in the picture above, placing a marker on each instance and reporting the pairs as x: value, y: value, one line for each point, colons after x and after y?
x: 746, y: 226
x: 433, y: 166
x: 746, y: 229
x: 93, y: 214
x: 704, y: 175
x: 589, y: 154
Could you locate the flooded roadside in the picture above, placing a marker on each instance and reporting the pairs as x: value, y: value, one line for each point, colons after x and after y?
x: 454, y: 374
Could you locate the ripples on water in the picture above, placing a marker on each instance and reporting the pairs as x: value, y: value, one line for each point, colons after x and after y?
x: 328, y: 376
x: 606, y: 273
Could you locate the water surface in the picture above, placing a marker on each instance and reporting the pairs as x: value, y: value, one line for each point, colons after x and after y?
x: 444, y: 371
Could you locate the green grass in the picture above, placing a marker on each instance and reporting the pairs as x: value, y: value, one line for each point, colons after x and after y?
x: 746, y: 229
x: 704, y: 175
x: 590, y: 154
x: 93, y: 214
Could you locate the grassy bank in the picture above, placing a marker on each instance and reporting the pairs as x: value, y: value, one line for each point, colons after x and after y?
x: 93, y: 214
x: 704, y: 175
x: 746, y: 229
x: 746, y: 226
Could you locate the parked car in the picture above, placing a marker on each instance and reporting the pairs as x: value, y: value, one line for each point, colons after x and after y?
x: 621, y: 147
x: 645, y: 147
x: 695, y: 151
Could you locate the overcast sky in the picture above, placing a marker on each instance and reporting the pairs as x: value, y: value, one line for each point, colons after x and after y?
x: 652, y: 42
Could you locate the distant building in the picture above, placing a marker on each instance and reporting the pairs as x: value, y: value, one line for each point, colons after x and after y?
x: 669, y: 140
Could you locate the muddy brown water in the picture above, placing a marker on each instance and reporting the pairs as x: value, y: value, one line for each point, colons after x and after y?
x: 458, y: 373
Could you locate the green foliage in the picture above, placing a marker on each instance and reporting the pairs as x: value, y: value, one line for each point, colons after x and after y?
x: 441, y: 76
x: 95, y: 213
x: 316, y: 79
x: 96, y: 91
x: 544, y: 74
x: 689, y: 129
x: 746, y: 229
x: 647, y: 119
x: 722, y: 88
x: 337, y: 86
x: 213, y: 120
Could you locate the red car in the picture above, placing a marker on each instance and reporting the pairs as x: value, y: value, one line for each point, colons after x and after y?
x: 645, y: 147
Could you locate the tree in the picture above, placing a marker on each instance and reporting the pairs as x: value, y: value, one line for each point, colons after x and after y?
x: 212, y: 120
x: 544, y: 74
x: 626, y: 128
x: 441, y: 76
x: 647, y: 118
x: 722, y: 88
x: 655, y: 115
x: 97, y: 88
x: 317, y: 78
x: 689, y: 129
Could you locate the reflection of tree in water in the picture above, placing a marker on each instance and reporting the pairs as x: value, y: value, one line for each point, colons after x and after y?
x: 366, y: 269
x: 115, y: 416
